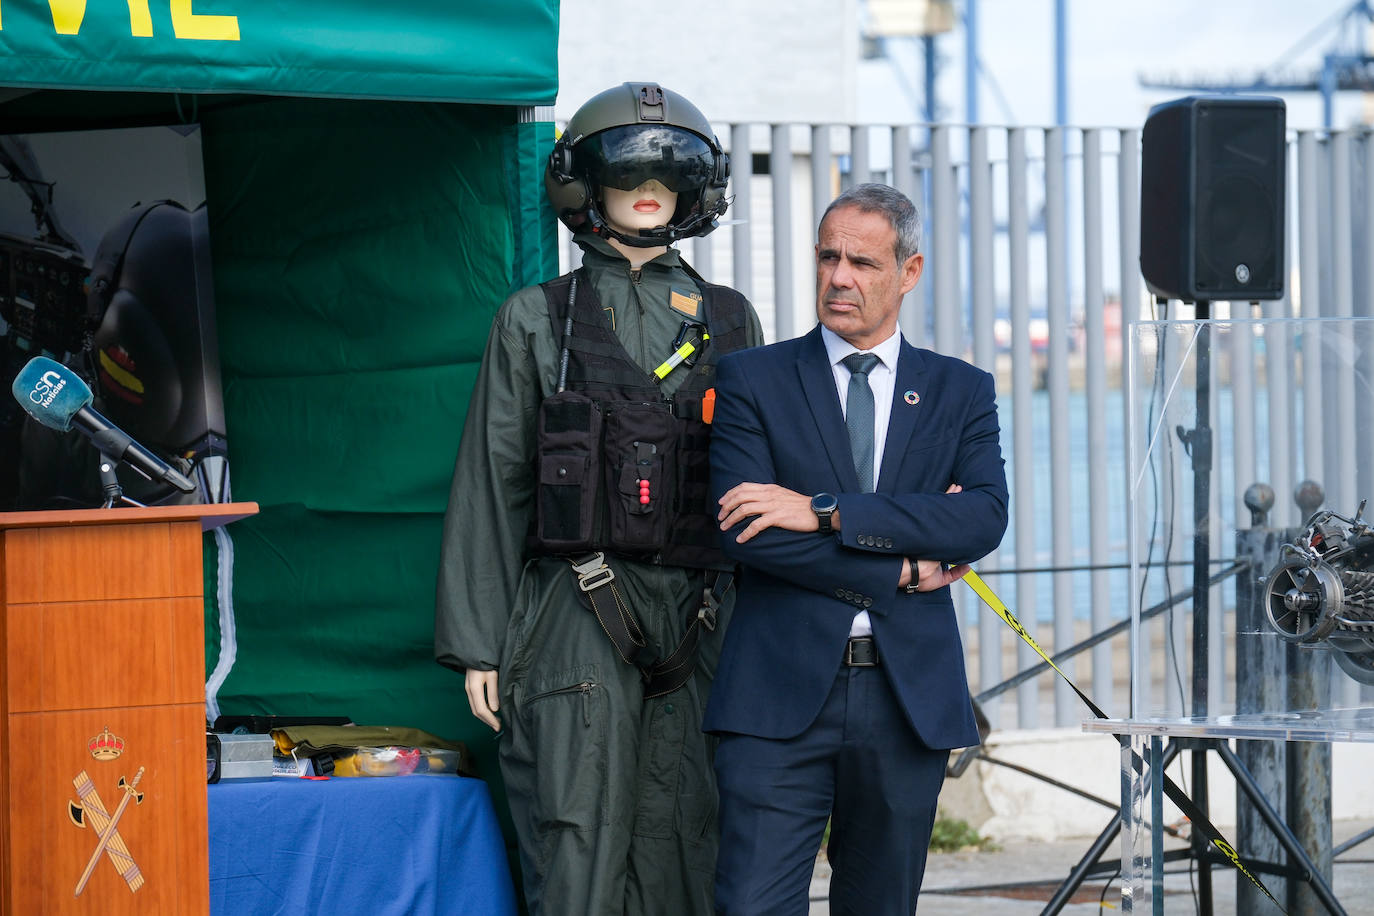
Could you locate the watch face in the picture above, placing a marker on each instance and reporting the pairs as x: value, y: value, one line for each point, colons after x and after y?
x: 824, y: 502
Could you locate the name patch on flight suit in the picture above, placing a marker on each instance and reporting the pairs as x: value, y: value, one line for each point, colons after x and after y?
x: 686, y: 302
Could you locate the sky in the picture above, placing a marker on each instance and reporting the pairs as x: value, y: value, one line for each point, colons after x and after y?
x: 1111, y: 43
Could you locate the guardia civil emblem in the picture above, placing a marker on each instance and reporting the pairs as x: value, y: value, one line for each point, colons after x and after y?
x: 91, y: 812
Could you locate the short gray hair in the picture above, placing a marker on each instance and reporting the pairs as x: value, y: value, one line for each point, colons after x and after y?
x: 894, y: 205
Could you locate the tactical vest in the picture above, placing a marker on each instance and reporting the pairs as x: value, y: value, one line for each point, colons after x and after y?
x: 621, y: 468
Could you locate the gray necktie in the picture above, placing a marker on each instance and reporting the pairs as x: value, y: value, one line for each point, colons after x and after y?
x: 858, y: 416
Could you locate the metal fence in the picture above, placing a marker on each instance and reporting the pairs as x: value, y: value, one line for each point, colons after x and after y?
x: 1032, y: 241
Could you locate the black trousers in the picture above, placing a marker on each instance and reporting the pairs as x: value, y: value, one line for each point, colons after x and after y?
x: 859, y: 765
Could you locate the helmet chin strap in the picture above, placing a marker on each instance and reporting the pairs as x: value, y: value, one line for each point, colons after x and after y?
x: 647, y: 238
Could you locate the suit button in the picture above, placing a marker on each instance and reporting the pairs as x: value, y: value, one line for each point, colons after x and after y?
x: 887, y: 543
x: 868, y: 602
x: 865, y: 540
x: 839, y: 593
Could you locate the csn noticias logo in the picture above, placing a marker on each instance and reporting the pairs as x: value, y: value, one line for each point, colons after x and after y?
x: 48, y: 387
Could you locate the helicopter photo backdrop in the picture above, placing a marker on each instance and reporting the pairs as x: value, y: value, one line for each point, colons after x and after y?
x: 105, y: 266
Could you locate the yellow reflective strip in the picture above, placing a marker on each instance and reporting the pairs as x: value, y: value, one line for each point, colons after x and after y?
x: 991, y: 600
x: 1184, y: 803
x: 676, y: 359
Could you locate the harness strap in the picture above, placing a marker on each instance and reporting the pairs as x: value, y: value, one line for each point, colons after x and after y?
x: 674, y: 671
x: 596, y: 580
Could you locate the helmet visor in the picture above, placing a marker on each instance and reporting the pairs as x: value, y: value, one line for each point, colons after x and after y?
x: 626, y: 157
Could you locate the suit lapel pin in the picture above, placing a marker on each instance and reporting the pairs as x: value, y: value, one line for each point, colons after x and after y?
x: 912, y: 398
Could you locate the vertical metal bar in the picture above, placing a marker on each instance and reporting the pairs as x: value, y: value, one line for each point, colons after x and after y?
x: 1095, y: 392
x: 1177, y: 487
x: 1309, y: 266
x: 904, y: 180
x: 981, y: 290
x: 1134, y: 859
x: 916, y: 306
x: 1128, y: 253
x: 903, y: 177
x: 1364, y: 418
x: 1066, y: 704
x: 1261, y: 687
x: 1339, y: 473
x: 859, y: 169
x: 702, y: 261
x: 1023, y: 469
x: 944, y: 246
x: 1240, y: 340
x: 1278, y: 370
x: 1204, y: 670
x: 1309, y: 772
x: 1216, y: 644
x: 741, y: 174
x: 822, y: 180
x: 1158, y: 761
x: 971, y: 61
x: 780, y: 169
x: 1135, y: 428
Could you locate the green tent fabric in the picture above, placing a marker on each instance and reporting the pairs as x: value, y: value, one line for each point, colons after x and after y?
x: 360, y: 252
x: 493, y: 53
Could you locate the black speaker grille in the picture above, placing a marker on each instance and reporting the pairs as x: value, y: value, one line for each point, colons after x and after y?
x: 1239, y: 218
x: 1212, y: 199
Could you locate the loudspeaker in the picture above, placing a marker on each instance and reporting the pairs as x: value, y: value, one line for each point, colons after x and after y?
x: 1212, y: 199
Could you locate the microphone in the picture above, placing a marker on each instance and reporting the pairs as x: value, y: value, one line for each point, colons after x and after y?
x: 57, y: 397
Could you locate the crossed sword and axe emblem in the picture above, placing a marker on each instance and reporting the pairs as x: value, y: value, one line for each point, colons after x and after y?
x: 106, y: 827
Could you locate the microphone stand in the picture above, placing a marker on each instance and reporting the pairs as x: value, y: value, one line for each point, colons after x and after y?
x: 109, y: 485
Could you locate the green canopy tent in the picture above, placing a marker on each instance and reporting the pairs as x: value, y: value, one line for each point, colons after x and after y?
x: 373, y: 178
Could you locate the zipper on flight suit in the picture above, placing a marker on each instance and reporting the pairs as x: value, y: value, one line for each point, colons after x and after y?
x: 636, y: 277
x: 585, y: 688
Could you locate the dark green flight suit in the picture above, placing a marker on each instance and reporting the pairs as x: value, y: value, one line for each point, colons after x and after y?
x: 613, y: 796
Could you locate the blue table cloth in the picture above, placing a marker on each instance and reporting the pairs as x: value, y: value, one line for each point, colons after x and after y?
x: 416, y: 844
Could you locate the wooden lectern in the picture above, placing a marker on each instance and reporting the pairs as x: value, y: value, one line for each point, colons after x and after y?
x: 102, y: 710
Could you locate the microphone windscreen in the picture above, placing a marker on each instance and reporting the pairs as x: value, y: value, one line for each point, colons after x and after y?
x: 50, y: 392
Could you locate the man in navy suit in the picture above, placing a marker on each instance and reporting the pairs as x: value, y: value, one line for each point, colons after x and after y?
x: 857, y: 477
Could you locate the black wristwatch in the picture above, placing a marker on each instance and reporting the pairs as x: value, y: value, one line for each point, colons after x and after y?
x: 824, y: 505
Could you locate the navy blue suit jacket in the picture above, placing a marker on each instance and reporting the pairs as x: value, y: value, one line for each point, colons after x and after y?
x: 778, y: 420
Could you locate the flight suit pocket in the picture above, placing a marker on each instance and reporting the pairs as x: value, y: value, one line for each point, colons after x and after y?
x: 569, y: 455
x: 641, y: 471
x: 568, y: 723
x: 660, y: 760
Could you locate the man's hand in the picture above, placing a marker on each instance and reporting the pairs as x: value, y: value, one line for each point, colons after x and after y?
x: 481, y: 687
x: 775, y: 506
x: 932, y: 575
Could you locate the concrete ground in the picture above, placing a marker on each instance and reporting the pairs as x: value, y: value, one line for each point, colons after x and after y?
x: 1020, y: 877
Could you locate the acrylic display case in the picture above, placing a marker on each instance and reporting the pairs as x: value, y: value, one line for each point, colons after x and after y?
x: 1251, y: 449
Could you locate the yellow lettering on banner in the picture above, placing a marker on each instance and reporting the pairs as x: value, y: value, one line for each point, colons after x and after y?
x: 67, y: 15
x: 186, y: 24
x: 140, y: 20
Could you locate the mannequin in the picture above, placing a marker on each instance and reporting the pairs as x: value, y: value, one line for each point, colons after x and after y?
x: 607, y: 773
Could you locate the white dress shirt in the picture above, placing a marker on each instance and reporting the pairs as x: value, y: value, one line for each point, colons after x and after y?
x: 882, y: 378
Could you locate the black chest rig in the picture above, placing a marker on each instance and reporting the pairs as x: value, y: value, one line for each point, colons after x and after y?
x: 622, y: 468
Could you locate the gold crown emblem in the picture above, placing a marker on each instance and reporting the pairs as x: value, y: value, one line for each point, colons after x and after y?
x: 106, y: 746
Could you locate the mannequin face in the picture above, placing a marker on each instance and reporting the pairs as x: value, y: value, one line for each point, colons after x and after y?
x: 648, y: 206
